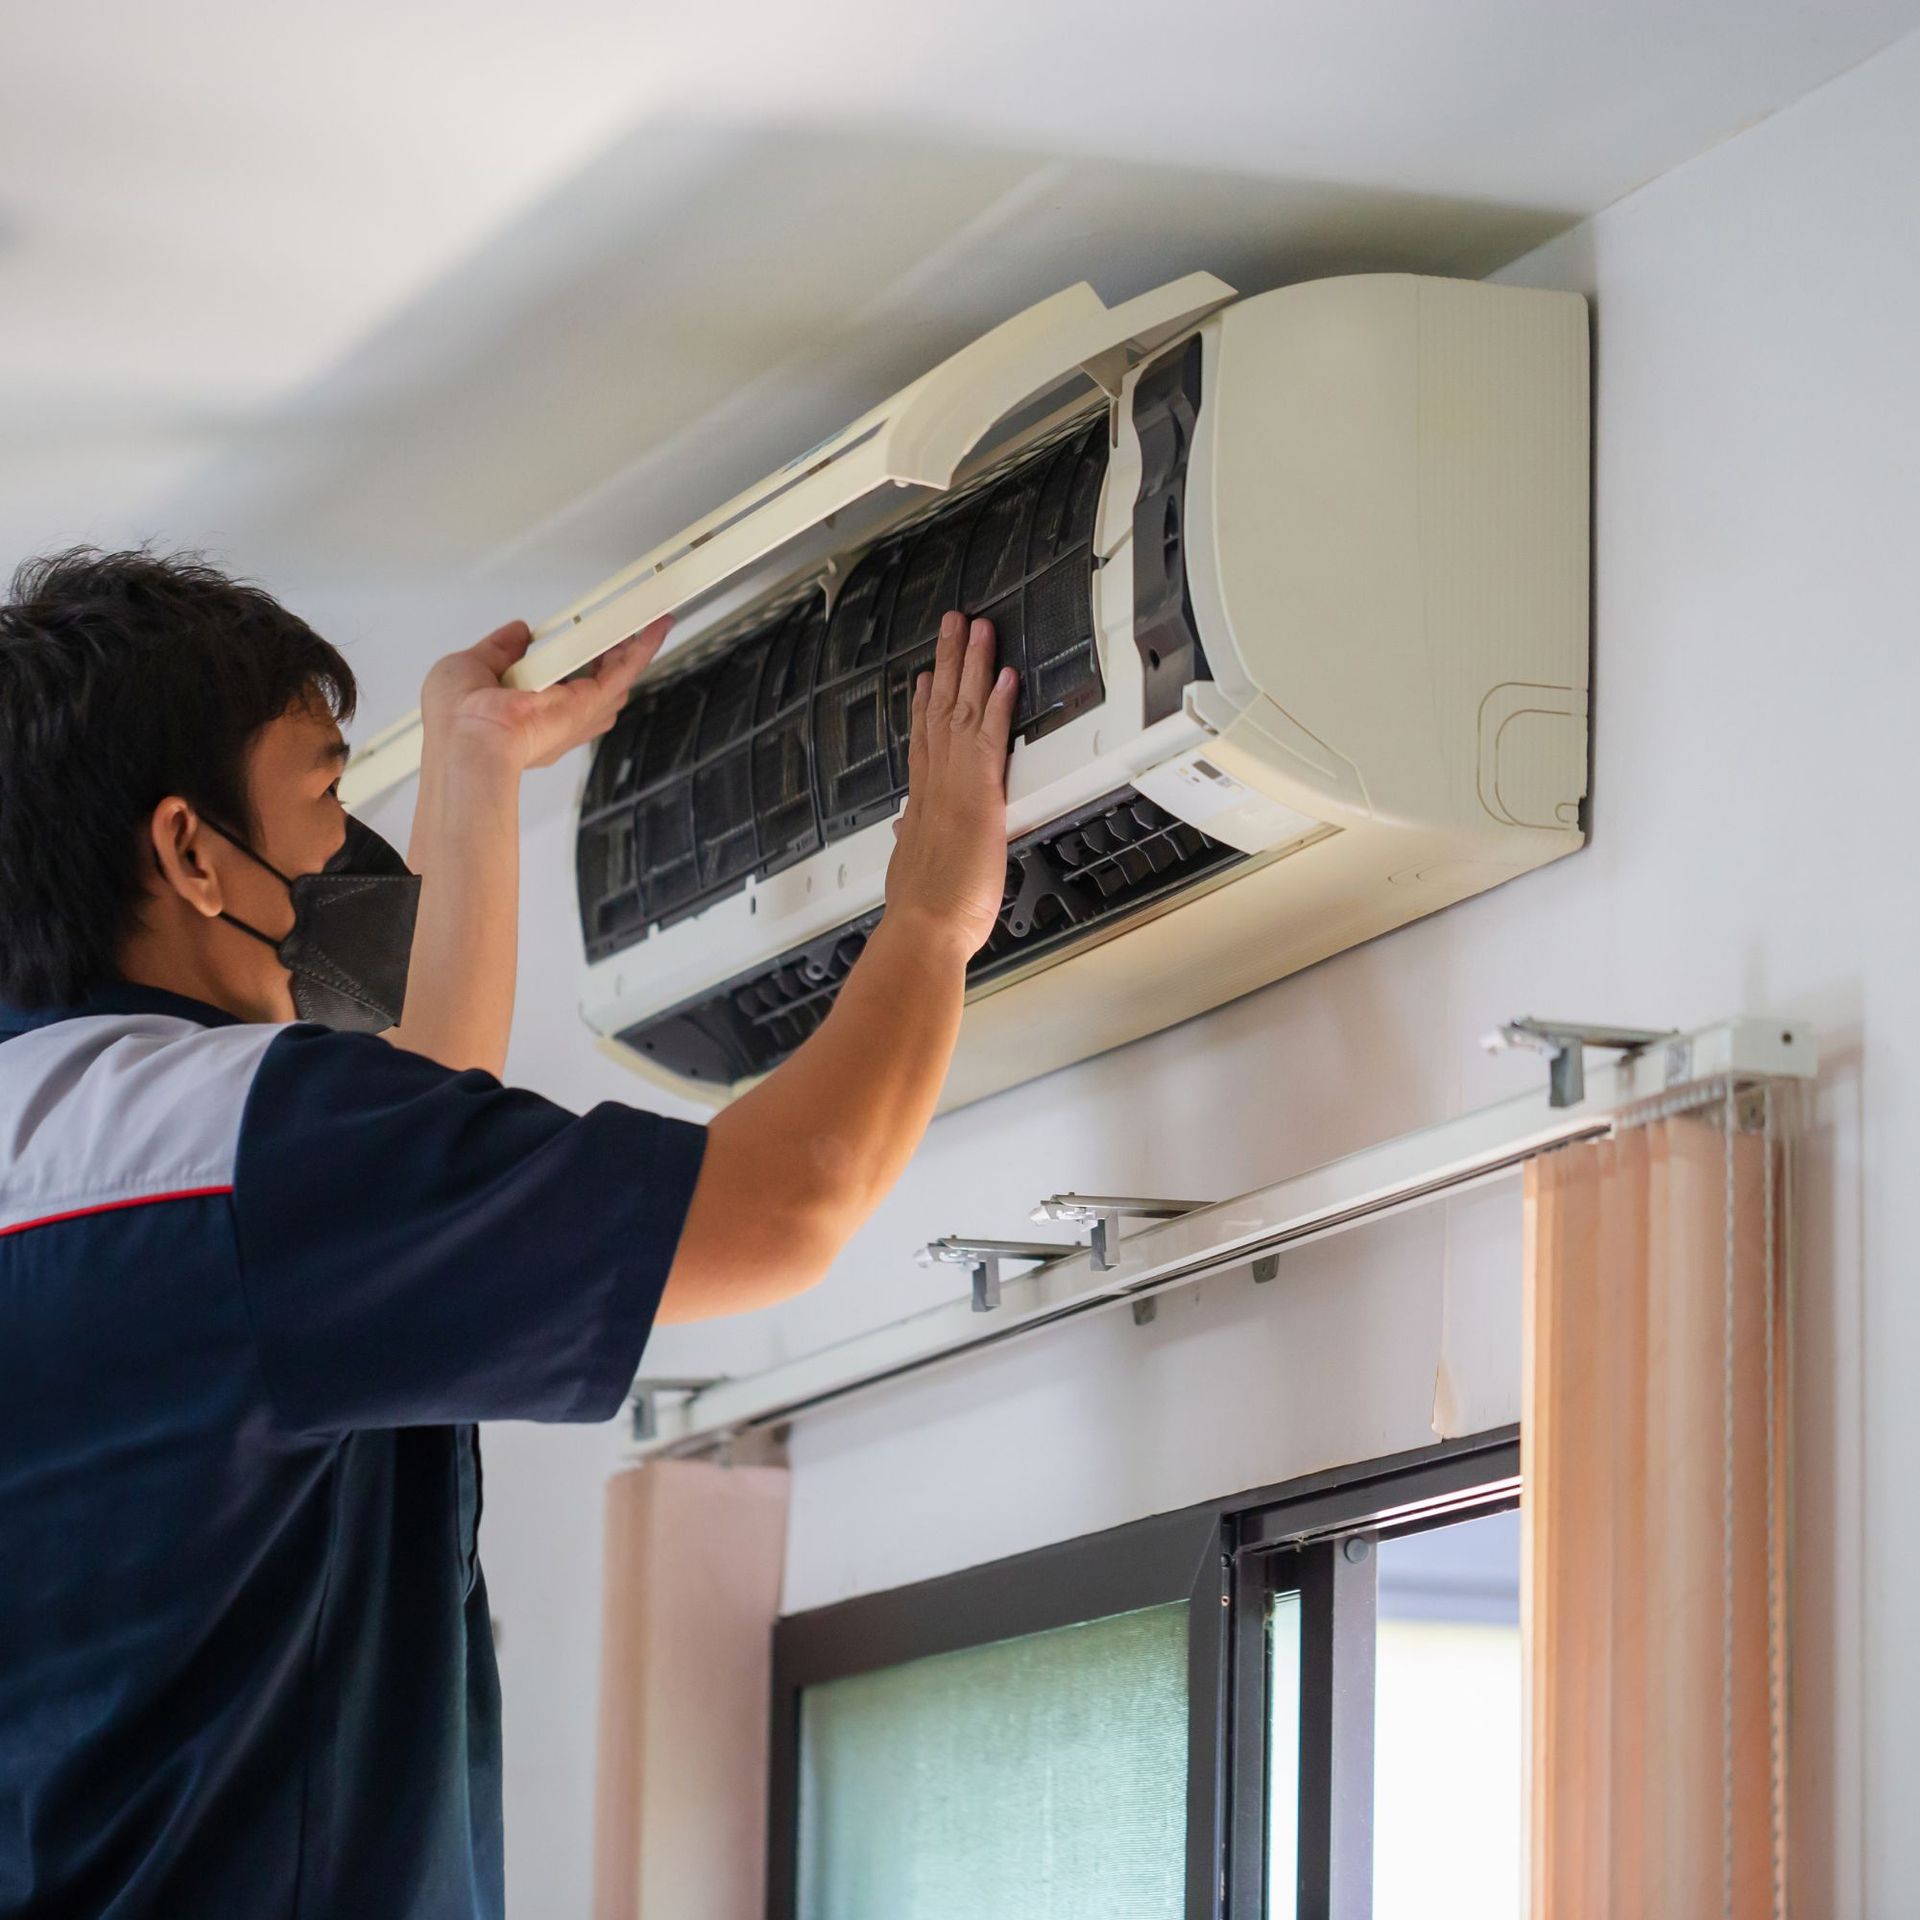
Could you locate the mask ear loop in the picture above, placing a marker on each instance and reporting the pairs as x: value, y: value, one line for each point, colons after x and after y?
x: 266, y: 940
x: 259, y: 860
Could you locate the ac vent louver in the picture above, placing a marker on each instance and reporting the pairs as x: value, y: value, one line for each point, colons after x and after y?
x: 795, y: 735
x: 1079, y: 876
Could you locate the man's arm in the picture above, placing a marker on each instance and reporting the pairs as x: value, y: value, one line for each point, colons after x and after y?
x: 793, y: 1167
x: 480, y: 738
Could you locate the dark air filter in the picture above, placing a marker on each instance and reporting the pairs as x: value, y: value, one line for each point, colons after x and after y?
x: 795, y: 734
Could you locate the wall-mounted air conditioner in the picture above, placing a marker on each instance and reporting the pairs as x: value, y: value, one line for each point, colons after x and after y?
x: 1297, y: 589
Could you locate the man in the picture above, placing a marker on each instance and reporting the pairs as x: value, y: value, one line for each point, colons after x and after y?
x: 260, y: 1275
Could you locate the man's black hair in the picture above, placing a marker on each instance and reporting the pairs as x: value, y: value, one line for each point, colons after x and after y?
x: 126, y: 678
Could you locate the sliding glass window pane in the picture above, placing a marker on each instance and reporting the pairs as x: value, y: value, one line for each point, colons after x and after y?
x: 1283, y: 1757
x: 1448, y: 1780
x: 1043, y: 1778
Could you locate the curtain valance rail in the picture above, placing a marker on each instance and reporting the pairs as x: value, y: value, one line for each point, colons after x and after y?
x: 1671, y: 1070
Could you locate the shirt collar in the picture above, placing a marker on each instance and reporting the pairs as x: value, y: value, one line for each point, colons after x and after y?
x: 118, y: 996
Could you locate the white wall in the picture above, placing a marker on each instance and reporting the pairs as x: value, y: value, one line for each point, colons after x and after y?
x: 1757, y: 687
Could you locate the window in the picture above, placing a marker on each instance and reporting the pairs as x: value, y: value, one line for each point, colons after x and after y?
x: 1448, y: 1780
x: 1295, y: 1704
x: 1041, y: 1776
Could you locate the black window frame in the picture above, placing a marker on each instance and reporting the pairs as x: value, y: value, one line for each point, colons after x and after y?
x: 1226, y: 1559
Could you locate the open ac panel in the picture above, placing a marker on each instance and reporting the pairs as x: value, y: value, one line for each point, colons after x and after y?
x: 1297, y: 590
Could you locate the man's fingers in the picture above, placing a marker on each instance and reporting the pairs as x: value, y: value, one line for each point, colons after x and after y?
x: 619, y: 667
x: 504, y: 645
x: 917, y: 727
x: 614, y: 673
x: 996, y: 723
x: 976, y: 675
x: 560, y: 717
x: 572, y: 707
x: 948, y: 653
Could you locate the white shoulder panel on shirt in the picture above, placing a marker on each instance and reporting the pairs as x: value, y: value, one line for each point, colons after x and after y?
x: 109, y: 1109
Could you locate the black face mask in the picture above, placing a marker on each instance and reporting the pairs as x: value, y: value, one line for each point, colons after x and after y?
x: 352, y: 932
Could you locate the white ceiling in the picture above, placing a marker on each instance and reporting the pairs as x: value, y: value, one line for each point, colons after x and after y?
x: 390, y: 298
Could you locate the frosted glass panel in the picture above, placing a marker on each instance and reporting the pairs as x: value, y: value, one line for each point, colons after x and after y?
x: 1283, y: 1757
x: 1448, y: 1784
x: 1043, y: 1778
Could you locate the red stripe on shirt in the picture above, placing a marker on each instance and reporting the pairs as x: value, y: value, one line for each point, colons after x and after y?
x: 115, y: 1206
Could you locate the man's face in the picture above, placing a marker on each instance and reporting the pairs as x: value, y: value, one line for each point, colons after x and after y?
x: 293, y: 783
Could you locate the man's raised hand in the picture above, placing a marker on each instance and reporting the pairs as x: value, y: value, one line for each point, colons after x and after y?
x: 949, y: 866
x: 463, y: 699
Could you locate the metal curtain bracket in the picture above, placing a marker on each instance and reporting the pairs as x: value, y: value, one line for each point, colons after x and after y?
x: 1561, y: 1041
x: 645, y: 1399
x: 1101, y: 1214
x: 982, y: 1260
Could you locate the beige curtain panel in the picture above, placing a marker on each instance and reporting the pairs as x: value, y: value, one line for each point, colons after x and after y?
x: 1654, y: 1450
x: 693, y: 1568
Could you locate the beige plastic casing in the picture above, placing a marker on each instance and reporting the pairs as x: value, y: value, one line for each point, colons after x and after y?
x: 1386, y: 535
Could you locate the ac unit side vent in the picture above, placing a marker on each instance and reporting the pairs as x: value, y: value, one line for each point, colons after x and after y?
x: 1166, y: 404
x: 796, y: 735
x: 1077, y: 876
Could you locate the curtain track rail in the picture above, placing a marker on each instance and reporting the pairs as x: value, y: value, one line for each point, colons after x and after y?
x: 684, y: 1417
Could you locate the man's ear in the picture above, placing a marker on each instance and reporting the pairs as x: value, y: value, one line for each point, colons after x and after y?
x: 180, y: 854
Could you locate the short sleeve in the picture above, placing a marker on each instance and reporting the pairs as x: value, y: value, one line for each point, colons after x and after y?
x: 420, y: 1247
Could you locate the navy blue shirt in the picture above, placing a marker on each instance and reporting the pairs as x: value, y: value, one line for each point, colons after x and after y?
x: 256, y: 1284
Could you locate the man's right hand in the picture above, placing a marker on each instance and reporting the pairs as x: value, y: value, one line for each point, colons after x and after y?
x: 949, y: 868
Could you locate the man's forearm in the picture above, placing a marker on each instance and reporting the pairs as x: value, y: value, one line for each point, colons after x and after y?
x: 864, y: 1087
x: 795, y: 1166
x: 466, y: 849
x: 480, y: 736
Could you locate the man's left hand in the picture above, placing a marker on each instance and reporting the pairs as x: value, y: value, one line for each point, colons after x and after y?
x: 463, y: 700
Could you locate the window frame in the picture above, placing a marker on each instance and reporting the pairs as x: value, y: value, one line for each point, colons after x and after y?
x: 1225, y: 1559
